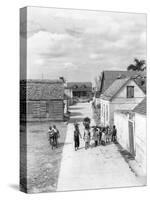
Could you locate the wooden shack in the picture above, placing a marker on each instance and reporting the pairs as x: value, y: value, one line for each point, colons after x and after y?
x: 41, y: 100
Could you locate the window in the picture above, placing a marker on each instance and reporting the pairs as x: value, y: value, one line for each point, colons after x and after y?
x: 130, y: 91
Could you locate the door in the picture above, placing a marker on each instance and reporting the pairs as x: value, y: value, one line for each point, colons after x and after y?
x: 131, y: 138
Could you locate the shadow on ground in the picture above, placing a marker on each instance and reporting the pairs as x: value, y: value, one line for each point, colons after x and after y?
x: 76, y: 108
x: 14, y: 187
x: 127, y: 155
x: 62, y: 144
x: 73, y: 114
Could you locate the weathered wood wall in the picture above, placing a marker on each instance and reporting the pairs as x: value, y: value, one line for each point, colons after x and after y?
x: 45, y: 110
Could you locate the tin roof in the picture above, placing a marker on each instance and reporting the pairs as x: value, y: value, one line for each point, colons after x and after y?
x: 114, y: 88
x: 41, y: 89
x: 79, y: 85
x: 108, y: 77
x: 141, y: 107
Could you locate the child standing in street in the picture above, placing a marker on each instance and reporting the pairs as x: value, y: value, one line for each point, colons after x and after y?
x: 76, y: 137
x: 103, y: 139
x: 51, y: 136
x: 100, y: 135
x: 56, y: 135
x: 114, y: 134
x: 86, y: 137
x: 95, y: 135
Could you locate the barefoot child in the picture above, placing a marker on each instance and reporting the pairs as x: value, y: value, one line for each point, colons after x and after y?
x: 87, y: 136
x: 76, y: 137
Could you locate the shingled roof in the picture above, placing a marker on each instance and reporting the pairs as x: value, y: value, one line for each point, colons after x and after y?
x: 114, y: 88
x: 108, y: 77
x: 41, y: 90
x: 141, y: 107
x: 79, y: 85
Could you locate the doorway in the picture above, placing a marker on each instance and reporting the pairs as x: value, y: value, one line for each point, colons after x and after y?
x: 131, y: 138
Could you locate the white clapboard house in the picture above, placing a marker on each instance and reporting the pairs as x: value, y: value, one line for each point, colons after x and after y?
x: 123, y: 94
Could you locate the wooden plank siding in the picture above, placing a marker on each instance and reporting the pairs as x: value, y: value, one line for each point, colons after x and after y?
x: 41, y: 100
x: 50, y: 110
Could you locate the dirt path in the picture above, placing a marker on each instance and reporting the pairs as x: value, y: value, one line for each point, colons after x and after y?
x: 100, y: 167
x: 43, y: 163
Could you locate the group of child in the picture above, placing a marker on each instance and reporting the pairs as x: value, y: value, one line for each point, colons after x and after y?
x: 53, y: 135
x: 101, y: 135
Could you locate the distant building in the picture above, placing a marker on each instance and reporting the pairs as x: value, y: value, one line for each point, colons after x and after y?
x: 131, y: 132
x: 41, y: 100
x: 77, y: 91
x: 122, y: 94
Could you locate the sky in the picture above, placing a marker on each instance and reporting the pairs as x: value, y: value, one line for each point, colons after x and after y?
x: 80, y: 44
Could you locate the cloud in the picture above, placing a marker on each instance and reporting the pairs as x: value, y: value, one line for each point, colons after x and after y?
x: 70, y: 66
x: 33, y: 28
x: 61, y: 40
x: 50, y: 45
x: 75, y: 32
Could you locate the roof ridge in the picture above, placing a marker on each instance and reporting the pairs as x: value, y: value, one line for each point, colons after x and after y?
x: 114, y: 92
x: 41, y: 81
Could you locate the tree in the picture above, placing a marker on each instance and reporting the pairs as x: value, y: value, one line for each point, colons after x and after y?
x: 62, y: 78
x: 98, y: 82
x: 138, y: 66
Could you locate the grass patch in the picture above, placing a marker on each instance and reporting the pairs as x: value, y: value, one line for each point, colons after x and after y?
x: 43, y: 163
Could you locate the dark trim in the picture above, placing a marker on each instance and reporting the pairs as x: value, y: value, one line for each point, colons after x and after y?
x: 102, y: 82
x: 23, y: 125
x: 129, y: 86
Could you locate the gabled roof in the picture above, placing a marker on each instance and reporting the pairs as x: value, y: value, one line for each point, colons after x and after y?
x: 141, y: 107
x: 108, y: 77
x: 41, y: 90
x: 79, y: 85
x: 114, y: 88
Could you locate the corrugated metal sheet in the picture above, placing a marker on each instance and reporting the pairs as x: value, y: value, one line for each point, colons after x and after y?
x: 110, y: 76
x: 114, y: 88
x: 41, y: 90
x: 79, y: 85
x: 141, y: 107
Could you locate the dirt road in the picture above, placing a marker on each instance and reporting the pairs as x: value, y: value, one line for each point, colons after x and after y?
x: 97, y: 167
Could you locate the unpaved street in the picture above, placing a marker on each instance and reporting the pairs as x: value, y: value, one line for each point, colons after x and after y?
x: 97, y: 167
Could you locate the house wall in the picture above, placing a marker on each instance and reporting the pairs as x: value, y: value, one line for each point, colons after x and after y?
x: 121, y: 123
x: 51, y: 110
x: 128, y: 103
x: 119, y: 106
x: 97, y: 101
x: 105, y: 112
x: 68, y: 92
x: 138, y: 93
x: 121, y: 102
x: 139, y: 121
x: 140, y: 140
